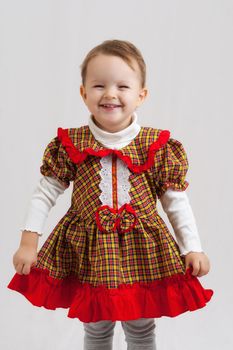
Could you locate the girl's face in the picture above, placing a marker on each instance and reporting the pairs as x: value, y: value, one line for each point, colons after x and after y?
x: 112, y: 91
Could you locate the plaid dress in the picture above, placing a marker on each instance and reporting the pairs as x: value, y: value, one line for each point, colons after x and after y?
x: 108, y: 262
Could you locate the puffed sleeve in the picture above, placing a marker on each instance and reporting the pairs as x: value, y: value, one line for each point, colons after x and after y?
x: 173, y: 168
x: 57, y: 164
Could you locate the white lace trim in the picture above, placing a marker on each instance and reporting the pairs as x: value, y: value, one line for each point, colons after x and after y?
x: 123, y: 185
x: 29, y: 230
x: 106, y: 180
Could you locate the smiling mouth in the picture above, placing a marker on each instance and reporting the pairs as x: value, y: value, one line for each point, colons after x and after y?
x: 109, y: 108
x: 109, y: 105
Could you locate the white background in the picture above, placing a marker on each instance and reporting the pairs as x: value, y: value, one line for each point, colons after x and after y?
x: 187, y: 46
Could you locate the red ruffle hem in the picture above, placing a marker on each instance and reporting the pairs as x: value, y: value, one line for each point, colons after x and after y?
x: 170, y: 296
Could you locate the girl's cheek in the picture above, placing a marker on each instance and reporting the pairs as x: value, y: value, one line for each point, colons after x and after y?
x: 96, y: 94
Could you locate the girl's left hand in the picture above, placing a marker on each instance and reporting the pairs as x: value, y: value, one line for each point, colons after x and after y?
x: 199, y: 262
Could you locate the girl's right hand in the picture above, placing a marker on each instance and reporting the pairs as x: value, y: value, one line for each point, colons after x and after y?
x: 23, y: 259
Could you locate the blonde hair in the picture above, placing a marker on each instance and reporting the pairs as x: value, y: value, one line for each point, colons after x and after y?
x: 121, y: 48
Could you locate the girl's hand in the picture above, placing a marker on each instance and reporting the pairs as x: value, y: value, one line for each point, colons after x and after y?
x: 199, y: 262
x: 23, y: 259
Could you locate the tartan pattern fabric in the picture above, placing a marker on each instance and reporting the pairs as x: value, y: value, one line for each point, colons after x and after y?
x: 56, y: 163
x: 77, y: 247
x: 173, y: 168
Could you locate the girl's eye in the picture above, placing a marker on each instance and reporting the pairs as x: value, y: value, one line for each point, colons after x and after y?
x: 121, y: 87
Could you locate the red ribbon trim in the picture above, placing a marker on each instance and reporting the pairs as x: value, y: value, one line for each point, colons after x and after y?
x: 78, y: 157
x: 117, y: 213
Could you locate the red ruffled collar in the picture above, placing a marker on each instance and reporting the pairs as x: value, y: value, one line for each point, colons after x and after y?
x: 95, y: 148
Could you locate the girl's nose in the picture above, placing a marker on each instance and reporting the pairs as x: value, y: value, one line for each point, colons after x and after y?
x: 110, y: 93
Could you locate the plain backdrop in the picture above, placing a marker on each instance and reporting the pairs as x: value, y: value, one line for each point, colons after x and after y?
x: 187, y: 46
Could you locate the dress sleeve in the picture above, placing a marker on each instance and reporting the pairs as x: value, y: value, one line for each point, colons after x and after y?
x: 57, y: 164
x: 173, y: 168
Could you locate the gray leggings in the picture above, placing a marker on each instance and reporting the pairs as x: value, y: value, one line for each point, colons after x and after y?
x: 139, y: 334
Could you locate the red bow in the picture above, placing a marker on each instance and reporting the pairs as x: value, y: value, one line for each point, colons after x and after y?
x: 123, y: 219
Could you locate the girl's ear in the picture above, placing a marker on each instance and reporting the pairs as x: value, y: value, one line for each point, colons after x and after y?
x: 83, y: 92
x: 142, y: 95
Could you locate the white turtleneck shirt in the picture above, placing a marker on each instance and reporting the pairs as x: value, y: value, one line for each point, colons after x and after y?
x: 175, y: 203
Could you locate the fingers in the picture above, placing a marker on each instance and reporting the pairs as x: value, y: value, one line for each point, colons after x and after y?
x: 196, y: 268
x: 200, y: 269
x: 204, y: 268
x: 24, y: 259
x: 23, y: 269
x: 199, y: 262
x: 26, y: 269
x: 18, y: 268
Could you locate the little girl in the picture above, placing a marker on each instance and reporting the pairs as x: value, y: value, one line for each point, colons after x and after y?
x: 111, y: 256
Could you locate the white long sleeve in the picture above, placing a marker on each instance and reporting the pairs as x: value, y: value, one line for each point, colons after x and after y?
x: 177, y: 207
x: 43, y: 199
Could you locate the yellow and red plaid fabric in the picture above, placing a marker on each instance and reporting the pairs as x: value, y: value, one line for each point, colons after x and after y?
x: 77, y: 247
